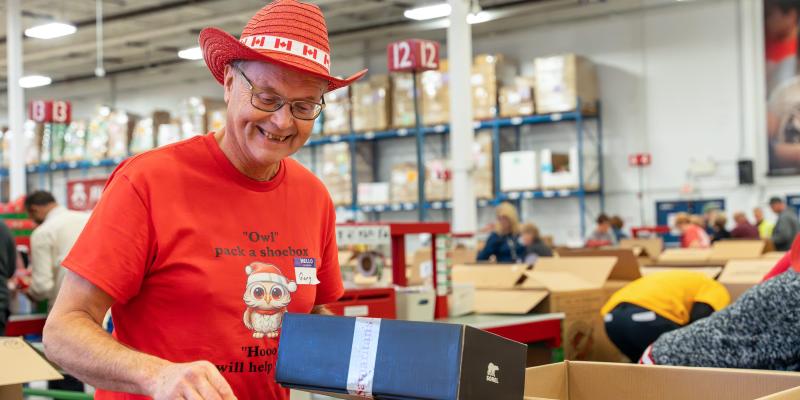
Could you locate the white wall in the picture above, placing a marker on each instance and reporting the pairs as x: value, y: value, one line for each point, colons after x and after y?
x: 673, y: 79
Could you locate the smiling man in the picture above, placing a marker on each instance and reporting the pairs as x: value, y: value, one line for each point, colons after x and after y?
x: 199, y: 248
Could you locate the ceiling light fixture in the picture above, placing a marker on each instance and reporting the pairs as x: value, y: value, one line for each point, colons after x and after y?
x: 428, y: 12
x: 50, y: 30
x: 32, y: 81
x: 192, y: 53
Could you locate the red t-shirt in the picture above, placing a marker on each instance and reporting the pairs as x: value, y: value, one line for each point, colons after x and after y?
x: 203, y: 261
x: 695, y: 234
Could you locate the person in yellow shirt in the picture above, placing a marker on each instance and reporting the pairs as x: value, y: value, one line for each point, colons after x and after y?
x: 636, y: 315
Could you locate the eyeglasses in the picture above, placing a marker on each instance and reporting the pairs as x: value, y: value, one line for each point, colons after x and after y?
x: 270, y: 102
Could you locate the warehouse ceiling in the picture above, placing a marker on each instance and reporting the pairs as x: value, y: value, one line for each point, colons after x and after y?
x: 145, y: 34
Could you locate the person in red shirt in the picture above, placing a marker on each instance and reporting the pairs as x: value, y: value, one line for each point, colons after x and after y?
x: 744, y: 229
x: 693, y: 236
x: 200, y: 247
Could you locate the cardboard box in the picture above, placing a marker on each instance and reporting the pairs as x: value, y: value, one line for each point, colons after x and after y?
x: 483, y: 164
x: 725, y: 250
x: 403, y: 100
x: 711, y: 272
x: 438, y: 183
x: 336, y: 115
x: 561, y: 80
x: 519, y: 170
x: 462, y: 300
x: 572, y: 285
x: 373, y: 193
x: 516, y: 99
x: 337, y: 167
x: 650, y: 248
x: 687, y: 257
x: 559, y: 170
x: 404, y: 184
x: 372, y: 108
x: 435, y: 96
x: 463, y: 255
x: 740, y: 275
x: 401, y: 359
x: 575, y: 380
x: 773, y: 255
x: 415, y: 303
x: 21, y: 364
x: 488, y: 73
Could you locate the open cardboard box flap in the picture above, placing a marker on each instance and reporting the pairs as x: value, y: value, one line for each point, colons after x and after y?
x: 508, y: 301
x: 685, y: 255
x: 21, y: 364
x: 711, y: 272
x: 489, y: 276
x: 774, y: 255
x: 651, y: 248
x: 569, y: 273
x: 575, y: 380
x: 745, y: 271
x: 737, y: 249
x: 625, y: 269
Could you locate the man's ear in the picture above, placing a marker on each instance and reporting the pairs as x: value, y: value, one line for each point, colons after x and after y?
x: 227, y: 82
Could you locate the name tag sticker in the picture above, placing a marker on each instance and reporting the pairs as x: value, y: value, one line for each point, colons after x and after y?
x: 305, y: 271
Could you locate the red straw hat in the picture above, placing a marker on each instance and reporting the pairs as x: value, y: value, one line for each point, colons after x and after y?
x: 285, y: 32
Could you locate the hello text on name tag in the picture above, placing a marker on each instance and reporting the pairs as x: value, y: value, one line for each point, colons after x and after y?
x: 305, y: 271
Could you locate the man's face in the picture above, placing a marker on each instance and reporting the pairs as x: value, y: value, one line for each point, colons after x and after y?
x: 260, y: 138
x: 758, y: 214
x: 604, y: 227
x: 777, y: 208
x: 778, y: 24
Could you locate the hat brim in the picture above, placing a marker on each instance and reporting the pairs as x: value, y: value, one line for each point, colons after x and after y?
x: 220, y: 48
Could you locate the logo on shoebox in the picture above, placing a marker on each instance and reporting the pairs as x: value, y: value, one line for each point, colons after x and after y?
x: 491, y: 373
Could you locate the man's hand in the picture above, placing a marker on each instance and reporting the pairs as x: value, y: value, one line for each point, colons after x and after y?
x: 190, y: 381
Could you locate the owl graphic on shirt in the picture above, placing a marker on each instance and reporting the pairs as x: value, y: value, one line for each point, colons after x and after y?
x: 267, y: 295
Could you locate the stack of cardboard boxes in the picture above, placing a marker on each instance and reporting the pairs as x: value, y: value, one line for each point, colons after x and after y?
x: 516, y: 98
x: 435, y: 96
x: 372, y: 106
x: 336, y: 115
x: 489, y: 71
x: 483, y: 177
x: 403, y: 100
x: 563, y: 79
x: 336, y: 170
x: 404, y: 184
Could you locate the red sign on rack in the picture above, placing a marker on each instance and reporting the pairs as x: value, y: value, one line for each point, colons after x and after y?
x: 640, y: 160
x: 83, y: 194
x: 47, y: 111
x: 413, y: 55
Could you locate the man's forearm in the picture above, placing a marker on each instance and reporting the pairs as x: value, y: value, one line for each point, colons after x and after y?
x: 81, y: 347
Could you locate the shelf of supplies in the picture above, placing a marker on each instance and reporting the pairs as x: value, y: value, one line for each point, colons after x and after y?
x: 447, y: 205
x: 68, y: 165
x: 445, y: 128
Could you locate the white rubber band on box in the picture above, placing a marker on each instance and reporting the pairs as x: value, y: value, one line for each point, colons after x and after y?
x: 363, y: 353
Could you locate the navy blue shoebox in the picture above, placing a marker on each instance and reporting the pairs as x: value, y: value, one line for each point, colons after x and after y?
x: 413, y: 360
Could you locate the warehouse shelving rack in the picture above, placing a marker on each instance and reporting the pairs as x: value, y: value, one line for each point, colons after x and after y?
x: 578, y: 118
x: 583, y: 135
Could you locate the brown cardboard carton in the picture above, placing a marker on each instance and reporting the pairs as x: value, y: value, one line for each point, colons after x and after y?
x: 337, y: 112
x: 371, y: 104
x: 561, y: 80
x: 435, y: 96
x: 516, y: 99
x: 438, y: 186
x: 21, y: 364
x: 483, y: 165
x: 336, y: 169
x: 774, y: 255
x: 403, y: 184
x: 403, y: 100
x: 740, y: 275
x: 463, y: 255
x: 570, y: 285
x: 644, y: 248
x: 725, y: 250
x: 488, y: 71
x: 711, y: 272
x: 576, y: 380
x: 687, y: 257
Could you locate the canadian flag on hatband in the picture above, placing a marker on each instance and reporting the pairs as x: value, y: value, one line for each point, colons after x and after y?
x: 285, y: 45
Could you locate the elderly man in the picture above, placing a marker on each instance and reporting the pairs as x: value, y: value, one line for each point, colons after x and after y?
x: 200, y: 247
x: 787, y: 226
